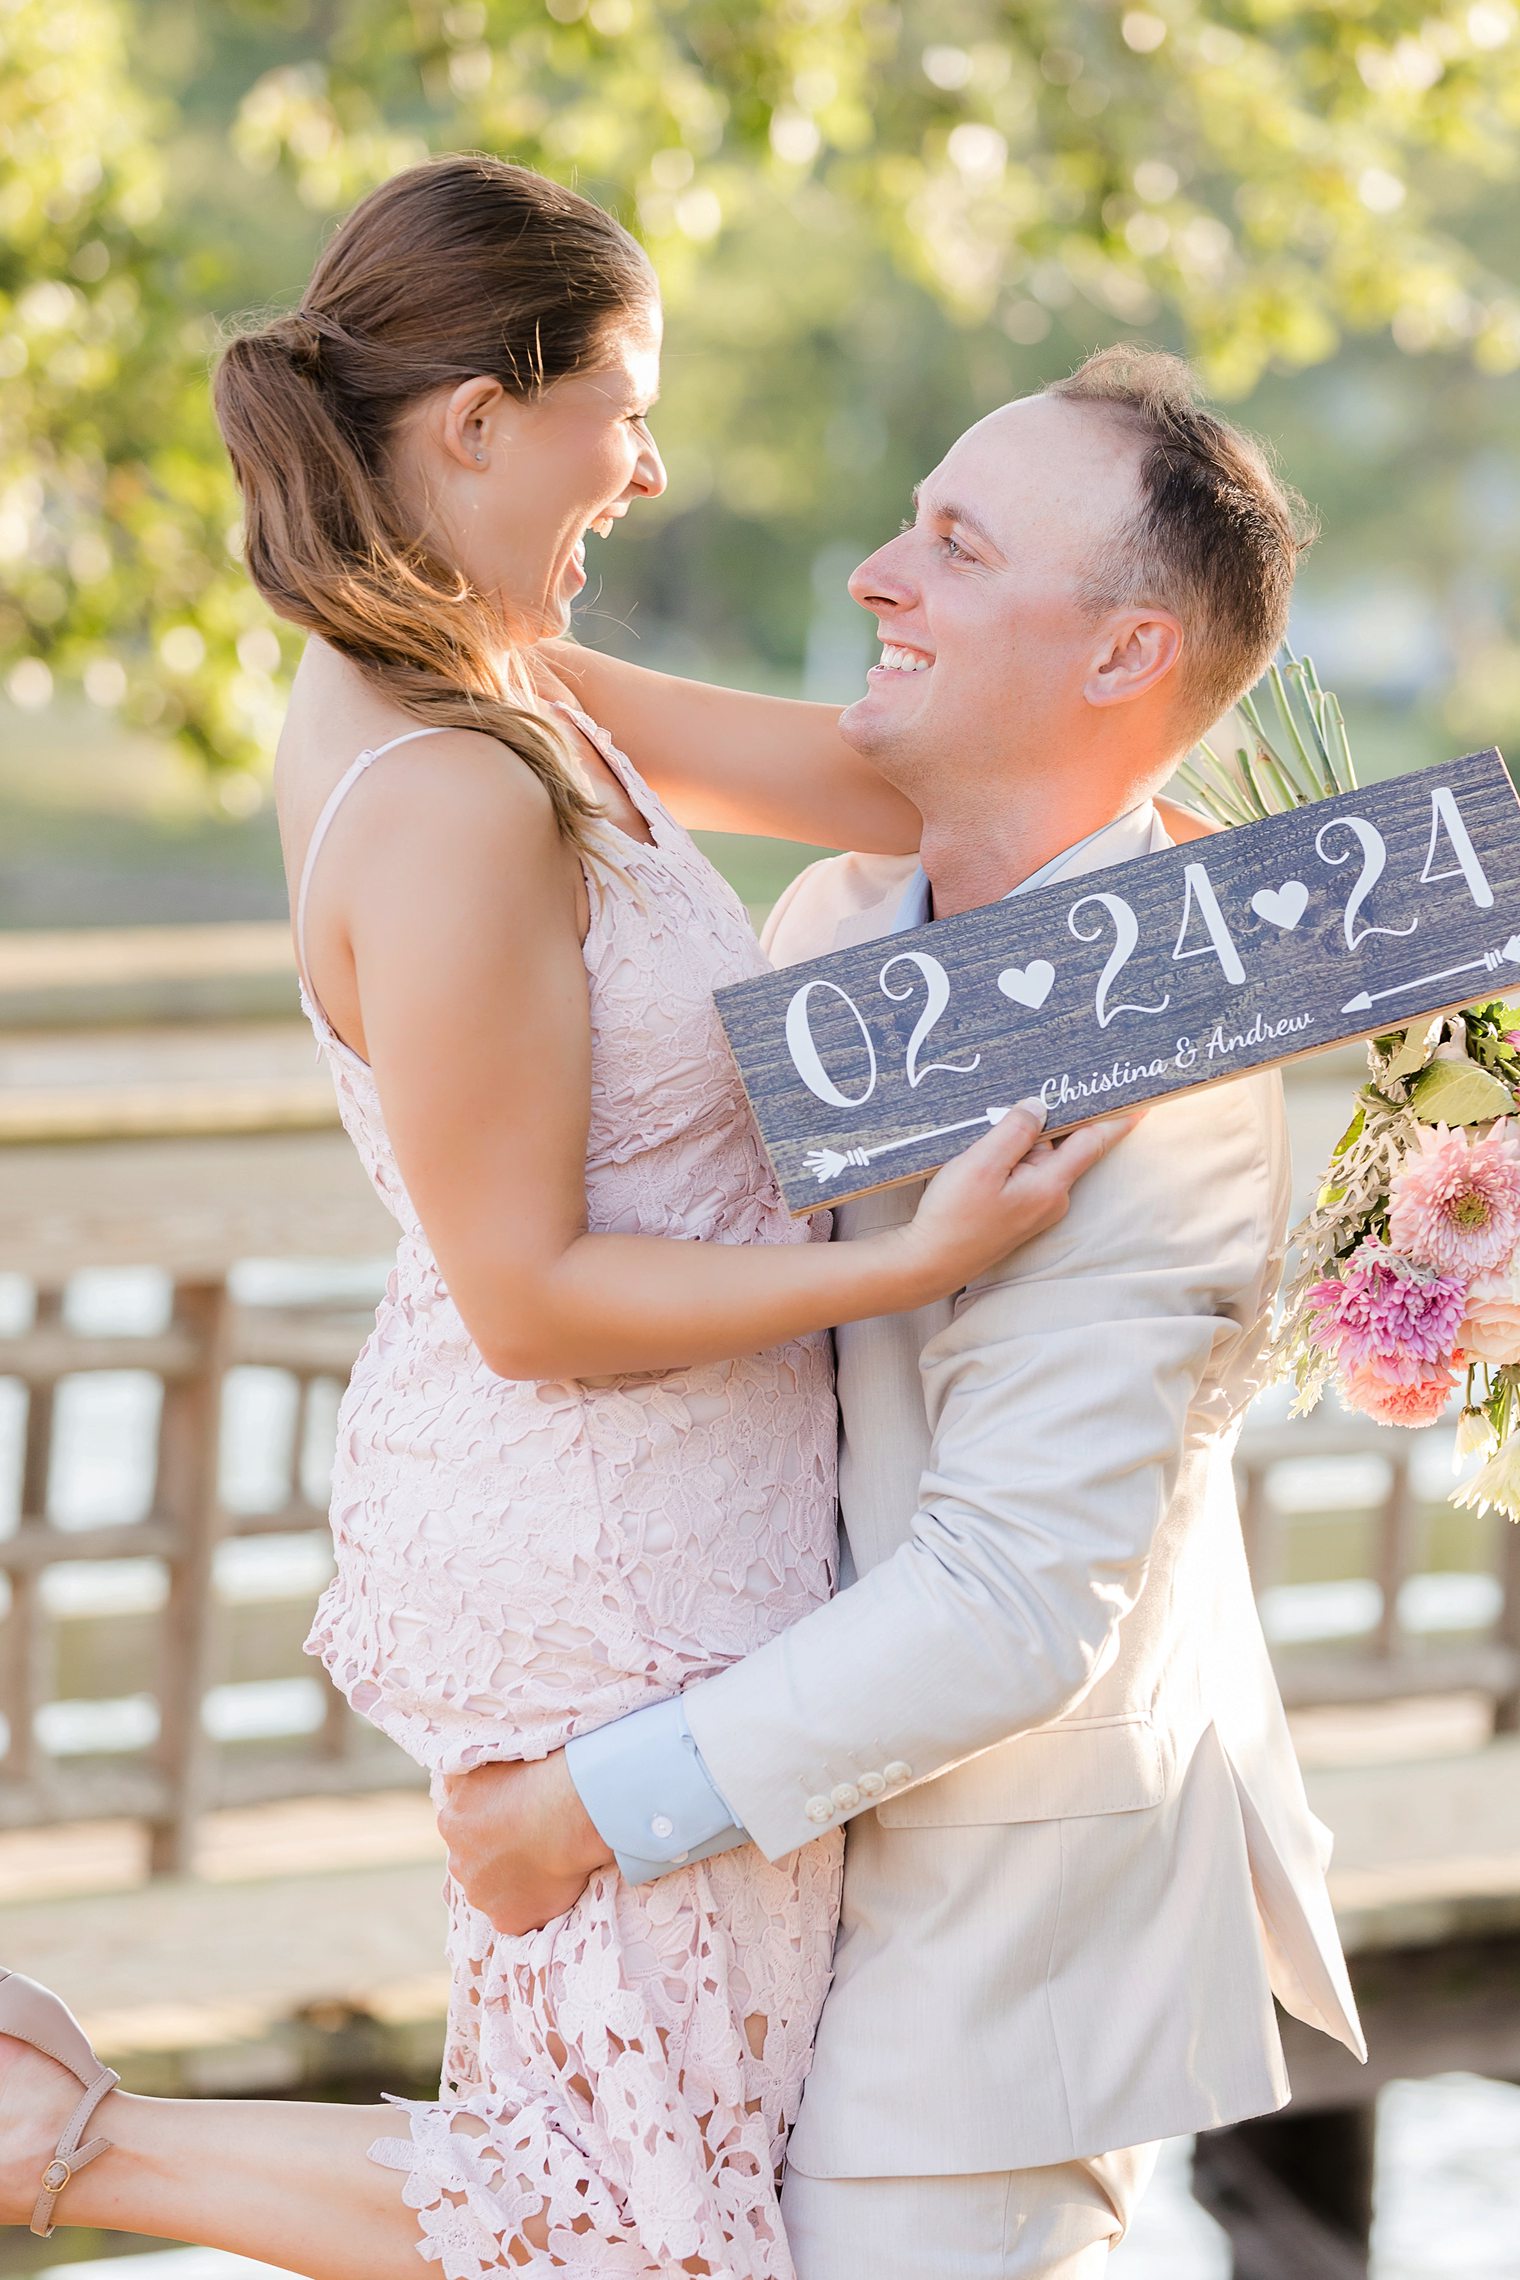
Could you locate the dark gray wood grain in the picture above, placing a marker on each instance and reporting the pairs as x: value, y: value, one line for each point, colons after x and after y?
x: 1248, y: 949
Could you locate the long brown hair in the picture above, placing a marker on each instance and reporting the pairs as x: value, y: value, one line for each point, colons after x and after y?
x: 458, y: 267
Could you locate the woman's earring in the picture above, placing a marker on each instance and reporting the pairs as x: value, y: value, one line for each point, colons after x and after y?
x: 480, y: 455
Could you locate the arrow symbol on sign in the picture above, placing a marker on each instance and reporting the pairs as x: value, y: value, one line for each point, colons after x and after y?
x: 1508, y: 956
x: 828, y: 1163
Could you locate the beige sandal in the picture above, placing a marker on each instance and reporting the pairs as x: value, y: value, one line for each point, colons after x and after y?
x: 33, y: 2016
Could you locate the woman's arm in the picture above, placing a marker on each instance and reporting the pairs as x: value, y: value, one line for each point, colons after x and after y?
x: 458, y: 900
x: 724, y: 760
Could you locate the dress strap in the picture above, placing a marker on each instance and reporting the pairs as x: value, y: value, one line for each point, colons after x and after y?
x: 331, y: 805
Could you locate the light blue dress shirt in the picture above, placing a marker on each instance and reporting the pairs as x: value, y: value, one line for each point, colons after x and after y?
x: 641, y: 1779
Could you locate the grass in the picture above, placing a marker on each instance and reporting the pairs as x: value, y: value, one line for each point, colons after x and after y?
x: 99, y: 827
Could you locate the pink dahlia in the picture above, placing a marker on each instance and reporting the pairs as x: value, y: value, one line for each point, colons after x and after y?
x: 1419, y: 1401
x: 1387, y: 1317
x: 1456, y: 1205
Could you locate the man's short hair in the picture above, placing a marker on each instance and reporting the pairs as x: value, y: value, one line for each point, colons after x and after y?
x: 1217, y: 536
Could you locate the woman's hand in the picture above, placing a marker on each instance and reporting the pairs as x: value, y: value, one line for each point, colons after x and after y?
x: 1000, y: 1192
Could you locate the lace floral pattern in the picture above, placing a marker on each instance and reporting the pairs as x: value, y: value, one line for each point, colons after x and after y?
x: 519, y: 1562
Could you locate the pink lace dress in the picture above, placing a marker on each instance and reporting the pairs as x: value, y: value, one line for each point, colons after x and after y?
x: 520, y: 1561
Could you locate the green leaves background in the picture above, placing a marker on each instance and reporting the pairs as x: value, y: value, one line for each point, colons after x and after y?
x: 871, y: 221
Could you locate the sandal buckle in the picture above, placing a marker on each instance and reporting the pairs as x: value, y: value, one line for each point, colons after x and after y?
x: 56, y: 2175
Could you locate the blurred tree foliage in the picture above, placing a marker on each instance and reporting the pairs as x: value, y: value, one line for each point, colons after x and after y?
x: 871, y: 221
x: 115, y: 509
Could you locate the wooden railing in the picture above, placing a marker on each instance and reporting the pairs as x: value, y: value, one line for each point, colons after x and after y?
x: 1392, y: 1661
x: 184, y: 1773
x: 194, y: 1146
x: 132, y: 1135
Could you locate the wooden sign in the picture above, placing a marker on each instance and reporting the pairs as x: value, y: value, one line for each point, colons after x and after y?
x: 1186, y: 968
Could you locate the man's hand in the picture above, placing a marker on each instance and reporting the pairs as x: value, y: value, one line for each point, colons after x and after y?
x: 521, y: 1846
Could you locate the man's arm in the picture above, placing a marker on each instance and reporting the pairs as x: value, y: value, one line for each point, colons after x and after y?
x: 647, y: 1793
x: 1058, y: 1399
x: 1028, y: 1548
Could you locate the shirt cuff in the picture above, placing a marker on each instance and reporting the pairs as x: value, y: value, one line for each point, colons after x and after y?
x: 648, y: 1794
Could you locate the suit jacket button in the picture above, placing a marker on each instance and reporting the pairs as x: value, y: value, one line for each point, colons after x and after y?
x: 846, y: 1796
x: 872, y: 1784
x: 819, y: 1809
x: 897, y: 1772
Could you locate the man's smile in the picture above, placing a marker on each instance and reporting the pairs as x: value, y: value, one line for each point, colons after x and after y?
x: 897, y: 658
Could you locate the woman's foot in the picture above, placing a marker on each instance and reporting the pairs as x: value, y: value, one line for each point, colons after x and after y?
x: 37, y: 2096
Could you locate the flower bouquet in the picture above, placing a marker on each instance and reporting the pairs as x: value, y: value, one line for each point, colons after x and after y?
x: 1407, y: 1285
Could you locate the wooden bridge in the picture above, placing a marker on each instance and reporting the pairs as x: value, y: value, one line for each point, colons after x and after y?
x: 264, y: 1915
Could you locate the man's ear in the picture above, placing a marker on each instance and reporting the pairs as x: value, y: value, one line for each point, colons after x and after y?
x: 1137, y: 651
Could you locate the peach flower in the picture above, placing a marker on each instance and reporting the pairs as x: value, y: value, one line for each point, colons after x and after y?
x: 1490, y: 1329
x: 1418, y: 1403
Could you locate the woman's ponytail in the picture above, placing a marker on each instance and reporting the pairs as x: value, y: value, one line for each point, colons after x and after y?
x: 456, y: 268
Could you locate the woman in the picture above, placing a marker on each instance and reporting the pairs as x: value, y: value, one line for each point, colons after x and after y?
x: 587, y: 1454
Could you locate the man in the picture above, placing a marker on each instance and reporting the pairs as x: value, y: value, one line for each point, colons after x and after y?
x: 1080, y: 1860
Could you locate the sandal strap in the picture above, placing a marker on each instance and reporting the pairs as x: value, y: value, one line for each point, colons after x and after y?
x: 72, y: 2156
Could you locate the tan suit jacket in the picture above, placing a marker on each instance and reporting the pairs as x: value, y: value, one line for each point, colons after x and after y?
x: 1080, y: 1858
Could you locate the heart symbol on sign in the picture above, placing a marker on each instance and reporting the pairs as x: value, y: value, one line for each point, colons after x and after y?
x: 1282, y: 906
x: 1028, y: 985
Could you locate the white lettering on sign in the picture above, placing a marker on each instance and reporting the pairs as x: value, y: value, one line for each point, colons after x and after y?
x: 840, y: 1060
x: 1029, y: 986
x: 1220, y: 1045
x: 1199, y: 888
x: 937, y: 997
x: 1444, y: 810
x: 1374, y: 860
x: 1223, y: 1042
x: 1126, y: 934
x: 805, y: 1056
x: 1061, y: 1091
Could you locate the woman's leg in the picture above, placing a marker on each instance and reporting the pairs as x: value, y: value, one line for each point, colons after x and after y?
x: 290, y: 2185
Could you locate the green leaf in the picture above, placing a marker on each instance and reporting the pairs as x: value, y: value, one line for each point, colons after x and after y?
x: 1287, y: 798
x: 1352, y: 1132
x: 794, y: 166
x: 1412, y: 1051
x: 1208, y: 779
x: 1208, y: 792
x: 1455, y: 1092
x: 1263, y: 798
x: 1282, y: 698
x: 1342, y: 766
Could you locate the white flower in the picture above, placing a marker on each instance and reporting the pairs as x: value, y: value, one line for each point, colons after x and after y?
x: 1475, y: 1435
x: 1498, y: 1484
